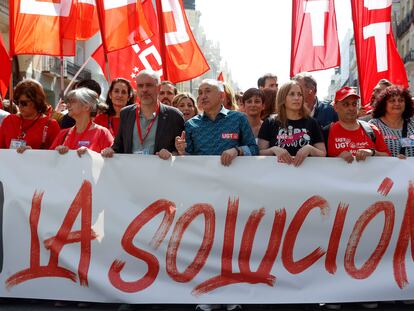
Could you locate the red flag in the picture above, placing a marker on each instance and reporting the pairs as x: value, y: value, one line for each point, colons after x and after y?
x: 129, y: 61
x: 146, y: 54
x: 182, y: 58
x: 122, y: 23
x: 99, y: 57
x: 43, y: 27
x: 377, y: 55
x: 315, y: 43
x: 220, y: 77
x: 6, y: 68
x: 87, y: 24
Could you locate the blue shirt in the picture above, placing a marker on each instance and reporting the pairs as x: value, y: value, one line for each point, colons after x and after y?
x: 229, y: 129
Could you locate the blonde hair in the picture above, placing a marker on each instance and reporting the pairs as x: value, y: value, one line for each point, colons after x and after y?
x: 178, y: 98
x: 282, y: 93
x: 230, y: 99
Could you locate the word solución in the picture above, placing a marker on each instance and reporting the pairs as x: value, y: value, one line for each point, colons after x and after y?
x: 281, y: 239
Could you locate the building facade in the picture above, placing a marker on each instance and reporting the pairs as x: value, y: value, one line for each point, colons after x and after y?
x: 405, y: 36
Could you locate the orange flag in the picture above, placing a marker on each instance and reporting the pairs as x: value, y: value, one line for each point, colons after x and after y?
x: 6, y: 68
x: 122, y: 23
x: 181, y: 55
x: 43, y: 27
x: 87, y: 23
x: 220, y: 77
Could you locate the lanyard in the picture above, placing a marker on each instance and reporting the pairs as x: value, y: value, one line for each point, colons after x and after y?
x: 73, y: 132
x: 111, y: 125
x: 137, y: 113
x: 24, y: 130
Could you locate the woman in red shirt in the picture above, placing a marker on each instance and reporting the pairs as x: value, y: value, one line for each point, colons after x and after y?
x: 120, y: 94
x: 30, y: 128
x: 84, y: 134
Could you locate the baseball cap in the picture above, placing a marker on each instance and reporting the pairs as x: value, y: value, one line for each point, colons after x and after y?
x: 344, y: 92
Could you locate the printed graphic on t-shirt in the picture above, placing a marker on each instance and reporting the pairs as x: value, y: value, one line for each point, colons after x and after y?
x: 293, y: 137
x: 233, y: 136
x: 348, y: 144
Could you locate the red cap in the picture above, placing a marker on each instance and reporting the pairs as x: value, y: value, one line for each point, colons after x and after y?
x: 344, y: 92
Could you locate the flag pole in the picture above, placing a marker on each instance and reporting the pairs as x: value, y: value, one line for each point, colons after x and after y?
x: 76, y: 75
x: 11, y: 50
x: 99, y: 5
x: 11, y: 93
x: 62, y: 82
x: 162, y: 39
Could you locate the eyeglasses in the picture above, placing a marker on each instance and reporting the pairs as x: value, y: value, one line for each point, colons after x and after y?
x: 22, y: 103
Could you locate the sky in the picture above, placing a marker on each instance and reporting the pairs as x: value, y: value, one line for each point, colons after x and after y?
x: 255, y: 37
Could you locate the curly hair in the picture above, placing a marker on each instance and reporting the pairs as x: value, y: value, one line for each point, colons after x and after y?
x: 386, y: 94
x: 33, y: 90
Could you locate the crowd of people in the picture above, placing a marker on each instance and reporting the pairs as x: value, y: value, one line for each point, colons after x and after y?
x: 287, y: 121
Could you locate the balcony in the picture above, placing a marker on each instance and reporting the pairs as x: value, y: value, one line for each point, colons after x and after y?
x: 409, y: 57
x: 4, y: 6
x: 51, y: 67
x: 72, y: 69
x: 405, y: 24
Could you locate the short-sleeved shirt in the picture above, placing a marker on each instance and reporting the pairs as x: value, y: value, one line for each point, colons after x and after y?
x: 95, y: 139
x: 341, y: 139
x: 393, y: 137
x: 110, y: 122
x: 298, y: 133
x: 228, y: 130
x: 38, y: 133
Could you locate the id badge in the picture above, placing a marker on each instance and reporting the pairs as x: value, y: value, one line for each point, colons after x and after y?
x: 84, y: 143
x: 406, y: 142
x: 16, y: 143
x: 142, y: 152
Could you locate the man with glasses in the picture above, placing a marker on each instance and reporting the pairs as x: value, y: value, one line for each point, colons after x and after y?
x: 150, y: 127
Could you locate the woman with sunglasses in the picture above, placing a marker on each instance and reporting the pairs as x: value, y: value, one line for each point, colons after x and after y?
x: 30, y: 128
x: 85, y: 134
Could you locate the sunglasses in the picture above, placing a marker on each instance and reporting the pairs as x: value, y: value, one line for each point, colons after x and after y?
x: 22, y: 103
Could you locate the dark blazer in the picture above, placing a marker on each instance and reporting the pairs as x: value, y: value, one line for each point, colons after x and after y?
x: 325, y: 113
x: 170, y: 125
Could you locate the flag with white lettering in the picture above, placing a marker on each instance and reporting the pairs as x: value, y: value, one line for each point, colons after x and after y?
x: 122, y: 23
x: 43, y: 27
x: 376, y: 52
x: 127, y: 62
x: 181, y: 55
x: 315, y: 43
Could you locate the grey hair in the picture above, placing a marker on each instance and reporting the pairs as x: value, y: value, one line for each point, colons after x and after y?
x: 150, y: 73
x: 213, y: 82
x: 309, y: 80
x: 85, y: 97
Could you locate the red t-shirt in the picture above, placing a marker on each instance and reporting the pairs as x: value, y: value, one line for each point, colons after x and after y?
x: 341, y: 139
x: 31, y: 131
x: 110, y: 122
x: 96, y: 139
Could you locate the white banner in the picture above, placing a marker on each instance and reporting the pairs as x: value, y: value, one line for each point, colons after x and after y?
x: 142, y: 230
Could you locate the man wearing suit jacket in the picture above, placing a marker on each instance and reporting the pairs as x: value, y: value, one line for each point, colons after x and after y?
x: 150, y: 127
